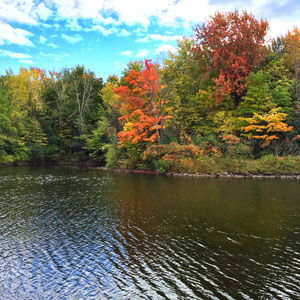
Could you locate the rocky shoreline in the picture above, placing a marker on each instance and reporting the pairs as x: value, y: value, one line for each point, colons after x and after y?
x: 217, y: 175
x: 172, y: 174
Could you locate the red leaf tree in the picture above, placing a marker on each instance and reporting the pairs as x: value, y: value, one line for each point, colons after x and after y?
x: 142, y: 106
x: 234, y: 45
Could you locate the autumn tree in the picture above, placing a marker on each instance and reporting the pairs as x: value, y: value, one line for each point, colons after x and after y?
x: 266, y: 127
x: 234, y: 44
x: 292, y: 42
x: 25, y: 90
x: 142, y: 106
x: 137, y: 65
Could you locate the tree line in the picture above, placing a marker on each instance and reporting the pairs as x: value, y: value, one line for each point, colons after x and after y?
x: 227, y: 92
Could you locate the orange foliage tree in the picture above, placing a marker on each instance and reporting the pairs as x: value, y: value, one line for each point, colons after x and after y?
x: 234, y: 45
x: 142, y: 106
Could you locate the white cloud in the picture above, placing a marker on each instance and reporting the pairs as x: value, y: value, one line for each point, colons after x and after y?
x: 27, y: 61
x: 143, y: 40
x: 102, y: 30
x: 55, y: 57
x: 126, y: 53
x: 14, y: 54
x: 52, y: 45
x: 25, y: 12
x: 73, y: 25
x: 72, y: 39
x: 277, y: 28
x: 165, y: 48
x: 119, y: 66
x: 78, y: 8
x: 43, y: 12
x: 140, y: 31
x: 282, y: 15
x: 142, y: 53
x: 18, y: 11
x: 100, y: 19
x: 11, y: 35
x: 42, y: 39
x: 124, y: 32
x: 158, y: 37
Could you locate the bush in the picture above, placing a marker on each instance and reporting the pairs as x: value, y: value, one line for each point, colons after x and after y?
x: 170, y: 157
x: 111, y: 157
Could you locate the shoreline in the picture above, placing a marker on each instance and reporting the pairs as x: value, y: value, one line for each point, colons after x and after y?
x: 94, y: 166
x: 199, y: 175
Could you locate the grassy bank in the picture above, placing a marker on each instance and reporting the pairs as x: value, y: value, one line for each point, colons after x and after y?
x: 267, y: 165
x: 207, y: 159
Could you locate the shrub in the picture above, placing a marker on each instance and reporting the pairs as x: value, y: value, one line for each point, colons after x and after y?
x: 170, y: 157
x: 111, y: 157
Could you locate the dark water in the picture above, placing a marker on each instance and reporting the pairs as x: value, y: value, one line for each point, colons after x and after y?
x: 69, y: 233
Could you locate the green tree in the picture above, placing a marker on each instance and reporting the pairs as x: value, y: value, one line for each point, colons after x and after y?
x: 264, y: 94
x: 8, y: 133
x: 104, y: 137
x: 189, y: 87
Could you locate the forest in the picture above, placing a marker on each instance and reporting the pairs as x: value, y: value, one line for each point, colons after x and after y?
x: 228, y: 101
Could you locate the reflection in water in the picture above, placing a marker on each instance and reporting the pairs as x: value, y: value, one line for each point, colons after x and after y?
x: 69, y: 233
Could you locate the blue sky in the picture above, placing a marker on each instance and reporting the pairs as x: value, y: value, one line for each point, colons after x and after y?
x: 105, y: 35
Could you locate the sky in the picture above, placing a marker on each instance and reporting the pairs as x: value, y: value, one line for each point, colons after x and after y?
x: 105, y: 35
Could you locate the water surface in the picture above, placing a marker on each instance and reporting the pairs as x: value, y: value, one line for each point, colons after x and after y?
x: 71, y: 233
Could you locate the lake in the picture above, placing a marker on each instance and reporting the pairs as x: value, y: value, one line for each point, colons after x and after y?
x: 76, y: 233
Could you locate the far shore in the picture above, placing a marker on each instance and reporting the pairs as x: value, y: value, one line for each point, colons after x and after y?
x: 216, y: 175
x: 97, y: 166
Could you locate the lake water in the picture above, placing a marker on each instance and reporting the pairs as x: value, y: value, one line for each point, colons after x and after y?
x: 72, y: 233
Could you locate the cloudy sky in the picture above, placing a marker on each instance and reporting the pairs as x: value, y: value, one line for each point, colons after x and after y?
x: 104, y: 35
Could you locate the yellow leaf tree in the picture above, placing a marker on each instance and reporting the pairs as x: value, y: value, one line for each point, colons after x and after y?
x: 25, y: 90
x: 265, y: 127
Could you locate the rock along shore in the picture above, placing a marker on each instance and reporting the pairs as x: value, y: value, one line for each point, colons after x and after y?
x: 217, y: 175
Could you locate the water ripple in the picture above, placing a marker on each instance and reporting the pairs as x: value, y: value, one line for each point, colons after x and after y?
x: 70, y: 234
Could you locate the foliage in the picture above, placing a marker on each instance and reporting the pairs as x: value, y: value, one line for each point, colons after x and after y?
x: 142, y: 107
x: 234, y: 44
x: 111, y: 157
x: 190, y: 90
x: 272, y: 165
x: 263, y: 94
x: 26, y: 107
x: 221, y: 99
x: 265, y: 127
x: 97, y: 142
x: 166, y: 157
x: 26, y: 88
x: 8, y: 132
x: 236, y: 147
x: 292, y: 43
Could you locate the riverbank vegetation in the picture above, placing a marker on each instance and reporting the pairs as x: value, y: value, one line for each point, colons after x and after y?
x: 227, y: 101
